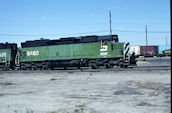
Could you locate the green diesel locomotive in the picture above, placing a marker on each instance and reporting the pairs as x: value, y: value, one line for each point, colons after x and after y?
x: 8, y: 56
x: 87, y: 51
x: 84, y: 51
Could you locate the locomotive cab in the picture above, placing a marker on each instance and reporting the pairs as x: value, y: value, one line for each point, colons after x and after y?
x: 115, y: 38
x: 104, y: 43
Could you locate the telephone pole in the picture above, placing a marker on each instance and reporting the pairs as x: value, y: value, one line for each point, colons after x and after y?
x: 166, y: 41
x: 146, y: 35
x: 110, y: 22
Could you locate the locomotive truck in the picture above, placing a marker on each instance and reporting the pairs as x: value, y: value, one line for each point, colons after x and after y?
x: 84, y: 51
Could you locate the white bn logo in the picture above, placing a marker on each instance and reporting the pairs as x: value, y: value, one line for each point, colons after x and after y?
x: 104, y: 48
x: 3, y: 54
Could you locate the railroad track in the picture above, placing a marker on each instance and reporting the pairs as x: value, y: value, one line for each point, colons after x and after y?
x: 115, y: 69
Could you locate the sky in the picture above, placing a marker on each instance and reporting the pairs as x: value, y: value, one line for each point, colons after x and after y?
x: 22, y: 20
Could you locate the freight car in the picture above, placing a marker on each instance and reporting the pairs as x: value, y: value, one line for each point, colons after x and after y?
x: 166, y: 52
x: 161, y: 48
x: 149, y: 51
x: 8, y: 56
x: 85, y: 51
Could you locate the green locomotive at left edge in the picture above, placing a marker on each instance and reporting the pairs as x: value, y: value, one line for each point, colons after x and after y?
x: 72, y: 51
x: 5, y: 55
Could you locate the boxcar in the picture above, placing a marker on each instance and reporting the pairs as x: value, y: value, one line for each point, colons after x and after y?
x: 148, y: 50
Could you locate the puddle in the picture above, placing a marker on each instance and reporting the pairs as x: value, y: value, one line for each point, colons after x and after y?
x: 144, y: 104
x: 127, y: 91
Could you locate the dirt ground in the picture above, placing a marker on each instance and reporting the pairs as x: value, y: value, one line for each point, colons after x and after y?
x: 86, y: 92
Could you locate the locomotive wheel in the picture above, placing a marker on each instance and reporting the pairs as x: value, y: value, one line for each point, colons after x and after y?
x: 45, y: 67
x: 23, y: 67
x: 12, y: 67
x: 107, y: 65
x: 33, y: 67
x: 5, y: 68
x: 123, y: 66
x: 94, y: 66
x: 78, y: 67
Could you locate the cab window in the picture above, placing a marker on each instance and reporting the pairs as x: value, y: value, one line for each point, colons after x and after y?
x: 103, y: 43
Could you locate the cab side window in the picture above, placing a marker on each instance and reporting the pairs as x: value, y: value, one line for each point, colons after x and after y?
x: 104, y: 43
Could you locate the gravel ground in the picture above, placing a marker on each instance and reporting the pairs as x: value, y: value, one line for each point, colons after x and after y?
x: 87, y: 92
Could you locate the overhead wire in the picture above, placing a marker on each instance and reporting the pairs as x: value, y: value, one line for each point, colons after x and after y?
x: 103, y: 31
